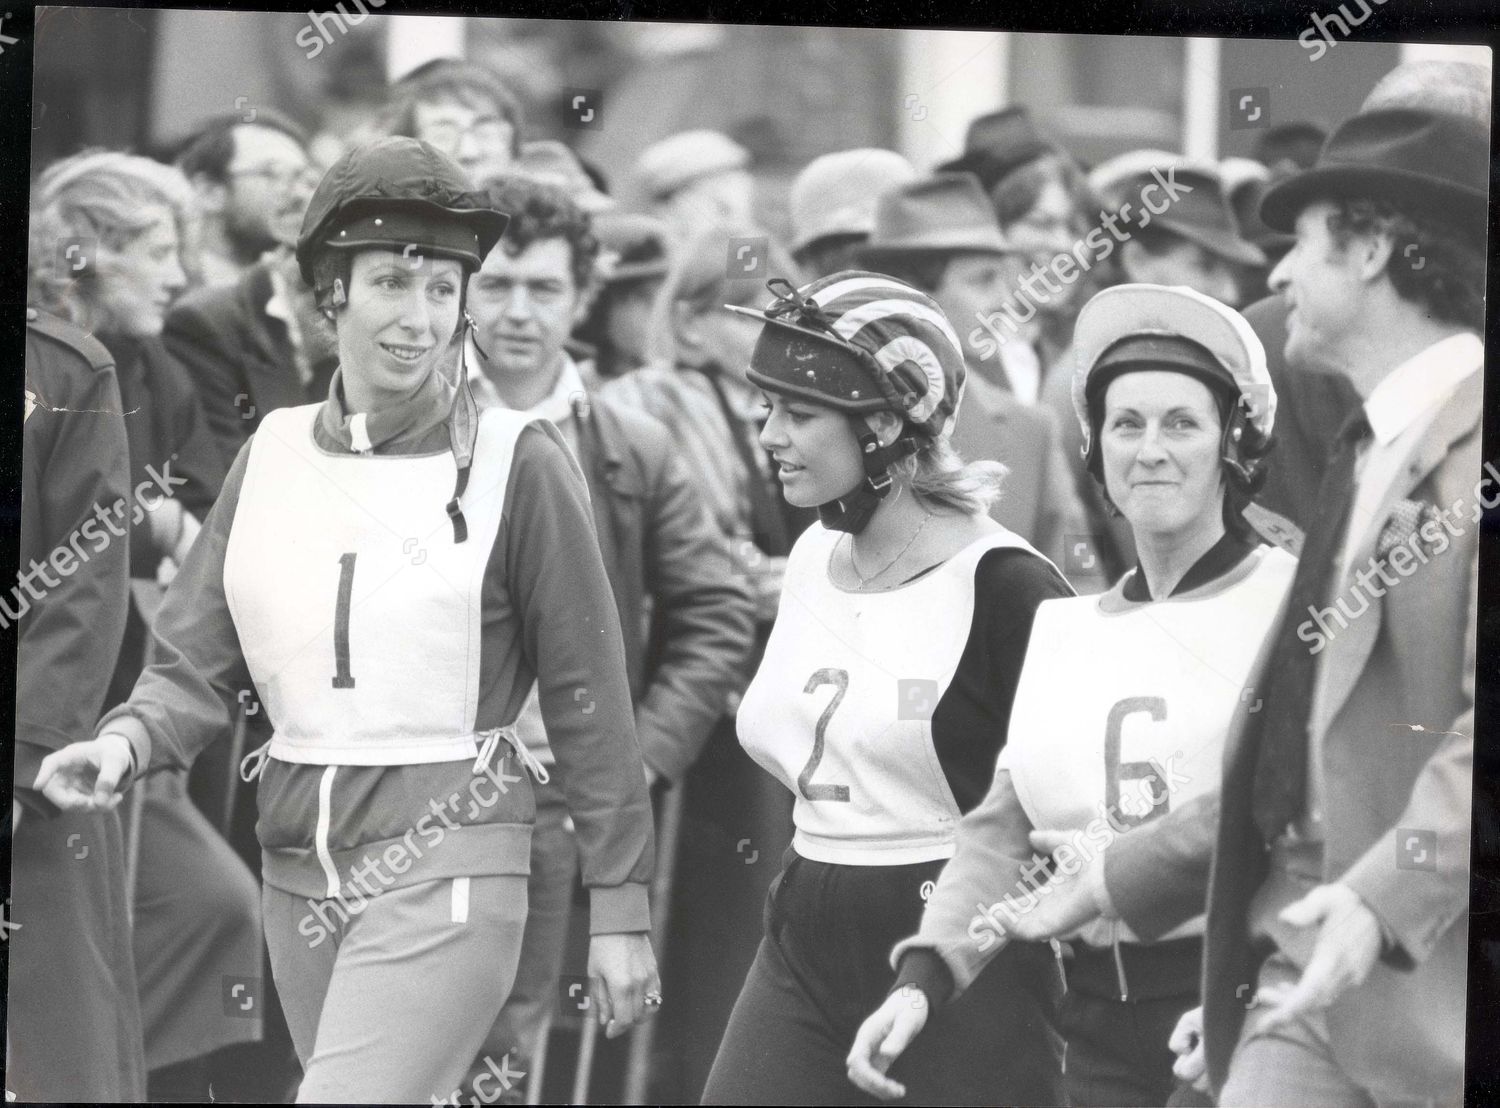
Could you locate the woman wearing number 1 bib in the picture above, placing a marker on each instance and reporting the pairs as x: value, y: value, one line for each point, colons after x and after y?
x: 1126, y: 698
x: 881, y: 700
x: 391, y: 572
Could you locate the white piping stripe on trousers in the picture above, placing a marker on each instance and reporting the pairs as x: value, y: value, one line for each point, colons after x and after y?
x: 460, y: 900
x: 320, y: 836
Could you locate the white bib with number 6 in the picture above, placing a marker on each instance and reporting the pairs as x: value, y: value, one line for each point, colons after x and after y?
x: 357, y: 613
x: 840, y: 710
x: 1123, y: 708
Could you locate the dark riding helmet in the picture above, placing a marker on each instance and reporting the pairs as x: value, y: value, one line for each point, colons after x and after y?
x: 395, y: 193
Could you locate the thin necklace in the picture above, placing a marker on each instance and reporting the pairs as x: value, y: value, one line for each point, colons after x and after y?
x: 863, y: 580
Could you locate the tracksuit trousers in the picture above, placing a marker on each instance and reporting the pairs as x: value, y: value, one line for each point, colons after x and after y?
x: 824, y: 965
x: 393, y: 1004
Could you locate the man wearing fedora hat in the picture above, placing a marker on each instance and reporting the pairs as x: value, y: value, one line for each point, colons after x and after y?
x: 939, y: 233
x: 1193, y: 241
x: 1337, y: 936
x: 632, y: 264
x: 997, y: 143
x: 1366, y: 892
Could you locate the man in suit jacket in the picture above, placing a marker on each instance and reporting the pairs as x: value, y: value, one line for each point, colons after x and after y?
x: 1337, y: 936
x: 252, y: 347
x: 939, y: 233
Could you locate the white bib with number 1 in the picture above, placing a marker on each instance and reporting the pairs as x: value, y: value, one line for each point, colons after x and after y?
x: 357, y: 613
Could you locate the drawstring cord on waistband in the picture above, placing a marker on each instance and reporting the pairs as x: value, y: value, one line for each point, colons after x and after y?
x: 258, y: 756
x: 253, y: 763
x: 491, y: 740
x: 1119, y: 962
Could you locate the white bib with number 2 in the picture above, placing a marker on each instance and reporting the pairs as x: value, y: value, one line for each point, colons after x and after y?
x: 840, y: 710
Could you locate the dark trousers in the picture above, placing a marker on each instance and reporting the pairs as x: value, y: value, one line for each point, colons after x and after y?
x: 1117, y: 1049
x: 823, y: 966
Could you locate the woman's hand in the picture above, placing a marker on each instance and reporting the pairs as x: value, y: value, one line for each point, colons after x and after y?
x: 84, y: 776
x: 881, y: 1039
x: 1187, y: 1043
x: 622, y: 972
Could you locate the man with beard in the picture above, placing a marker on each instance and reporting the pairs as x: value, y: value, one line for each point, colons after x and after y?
x: 252, y: 179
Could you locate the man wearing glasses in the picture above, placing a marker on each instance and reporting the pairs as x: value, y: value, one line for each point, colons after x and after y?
x: 463, y: 110
x: 253, y: 179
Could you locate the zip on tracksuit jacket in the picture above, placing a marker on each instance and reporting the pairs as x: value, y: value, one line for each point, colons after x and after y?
x: 328, y: 825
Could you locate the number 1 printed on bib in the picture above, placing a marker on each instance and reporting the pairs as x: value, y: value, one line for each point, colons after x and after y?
x: 342, y: 678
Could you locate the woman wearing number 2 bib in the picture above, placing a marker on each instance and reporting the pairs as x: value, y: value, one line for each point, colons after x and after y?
x: 391, y: 572
x: 1126, y: 698
x: 881, y: 701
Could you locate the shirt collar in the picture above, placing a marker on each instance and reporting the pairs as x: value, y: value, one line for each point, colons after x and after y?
x: 1216, y: 561
x: 557, y: 406
x: 1420, y: 383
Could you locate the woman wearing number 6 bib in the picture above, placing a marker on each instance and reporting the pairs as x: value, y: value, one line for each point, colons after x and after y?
x: 881, y: 700
x: 1125, y: 699
x: 390, y: 572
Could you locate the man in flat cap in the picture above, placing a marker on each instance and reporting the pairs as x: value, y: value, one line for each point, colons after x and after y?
x: 695, y: 180
x: 833, y: 205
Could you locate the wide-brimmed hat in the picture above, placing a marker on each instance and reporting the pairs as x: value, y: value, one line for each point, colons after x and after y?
x: 668, y: 165
x: 1434, y: 162
x: 836, y: 194
x: 1198, y: 212
x: 632, y: 247
x: 553, y: 163
x: 943, y: 213
x: 998, y: 143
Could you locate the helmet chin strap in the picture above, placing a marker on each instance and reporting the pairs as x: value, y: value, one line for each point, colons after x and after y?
x: 853, y: 511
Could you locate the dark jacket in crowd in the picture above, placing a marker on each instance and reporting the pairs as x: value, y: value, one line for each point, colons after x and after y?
x: 240, y: 358
x: 686, y: 617
x: 74, y: 1017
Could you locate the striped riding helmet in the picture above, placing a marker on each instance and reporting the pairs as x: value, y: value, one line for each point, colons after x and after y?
x: 861, y: 342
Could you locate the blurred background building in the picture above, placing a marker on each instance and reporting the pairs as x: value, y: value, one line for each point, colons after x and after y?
x: 144, y: 79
